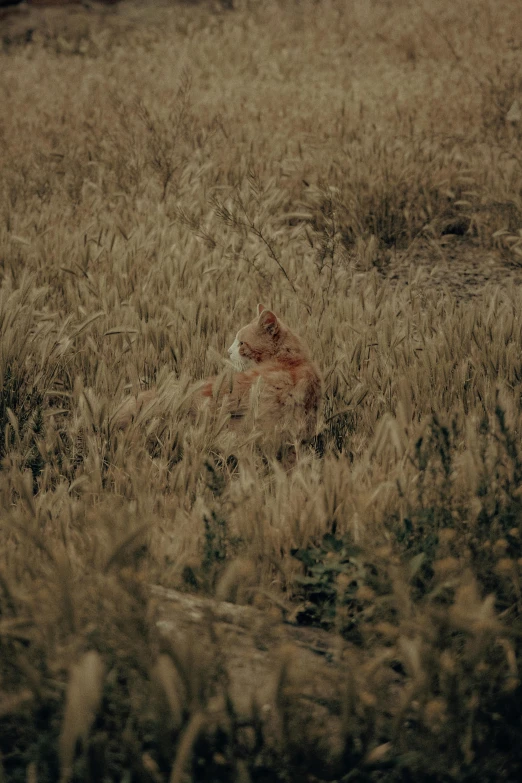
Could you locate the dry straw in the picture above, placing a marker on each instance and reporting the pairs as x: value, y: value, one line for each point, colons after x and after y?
x: 356, y: 167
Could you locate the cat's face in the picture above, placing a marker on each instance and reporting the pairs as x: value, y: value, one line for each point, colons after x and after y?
x: 257, y: 341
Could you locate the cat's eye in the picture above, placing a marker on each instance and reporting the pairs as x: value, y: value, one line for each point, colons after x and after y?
x: 240, y: 342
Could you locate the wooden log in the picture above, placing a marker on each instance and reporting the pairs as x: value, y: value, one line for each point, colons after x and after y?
x: 298, y: 681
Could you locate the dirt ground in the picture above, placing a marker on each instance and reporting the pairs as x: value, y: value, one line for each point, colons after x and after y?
x: 454, y: 264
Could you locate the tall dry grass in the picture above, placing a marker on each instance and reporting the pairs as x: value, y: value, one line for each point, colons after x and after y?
x: 164, y: 168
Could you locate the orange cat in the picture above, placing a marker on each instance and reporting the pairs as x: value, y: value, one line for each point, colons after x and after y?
x: 276, y: 374
x: 277, y: 387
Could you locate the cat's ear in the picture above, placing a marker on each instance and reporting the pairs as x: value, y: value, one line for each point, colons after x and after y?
x: 268, y: 321
x: 260, y: 309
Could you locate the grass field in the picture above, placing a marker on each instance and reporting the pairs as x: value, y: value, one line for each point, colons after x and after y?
x: 357, y: 167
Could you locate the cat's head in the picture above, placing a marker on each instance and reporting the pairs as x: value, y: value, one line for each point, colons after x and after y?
x: 258, y: 341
